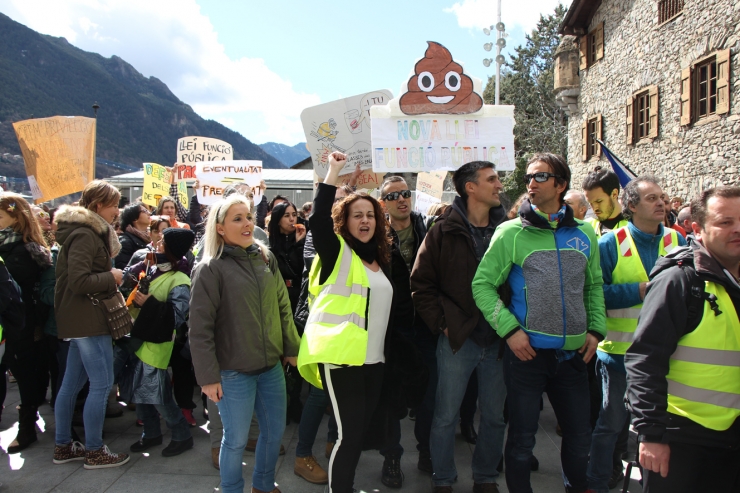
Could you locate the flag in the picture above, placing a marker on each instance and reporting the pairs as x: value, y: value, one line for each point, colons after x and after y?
x: 623, y: 172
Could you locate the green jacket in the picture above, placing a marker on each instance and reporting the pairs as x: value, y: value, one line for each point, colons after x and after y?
x: 554, y: 276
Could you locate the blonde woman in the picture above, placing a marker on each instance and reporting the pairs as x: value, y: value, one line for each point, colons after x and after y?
x: 241, y: 325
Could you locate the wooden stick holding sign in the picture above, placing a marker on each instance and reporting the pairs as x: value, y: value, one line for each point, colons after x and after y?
x: 214, y: 177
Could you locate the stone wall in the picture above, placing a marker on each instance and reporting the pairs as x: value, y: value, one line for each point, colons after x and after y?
x: 637, y: 53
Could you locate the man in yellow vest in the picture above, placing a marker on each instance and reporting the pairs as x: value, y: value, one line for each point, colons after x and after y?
x: 628, y: 254
x: 683, y: 368
x: 601, y: 187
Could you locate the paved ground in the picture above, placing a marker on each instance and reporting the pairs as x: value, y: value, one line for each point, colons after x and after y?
x: 32, y: 471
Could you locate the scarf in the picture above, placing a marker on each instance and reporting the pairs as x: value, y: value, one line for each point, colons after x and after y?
x: 38, y: 253
x: 9, y: 235
x: 142, y: 235
x: 366, y: 251
x: 113, y: 243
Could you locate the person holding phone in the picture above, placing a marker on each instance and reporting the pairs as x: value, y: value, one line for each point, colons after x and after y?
x: 287, y: 239
x: 241, y: 325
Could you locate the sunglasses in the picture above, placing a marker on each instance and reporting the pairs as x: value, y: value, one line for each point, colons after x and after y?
x: 43, y: 214
x: 406, y: 194
x: 540, y: 177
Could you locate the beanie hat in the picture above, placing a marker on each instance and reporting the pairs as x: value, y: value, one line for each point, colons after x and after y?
x: 178, y: 241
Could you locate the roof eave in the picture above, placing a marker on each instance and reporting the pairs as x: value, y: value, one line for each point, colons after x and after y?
x: 578, y: 17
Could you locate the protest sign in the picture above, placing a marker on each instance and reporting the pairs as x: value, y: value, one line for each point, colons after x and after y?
x: 366, y: 181
x: 440, y: 122
x: 431, y: 183
x: 194, y: 149
x: 182, y: 194
x: 423, y: 201
x: 215, y: 176
x: 157, y: 180
x: 344, y: 126
x: 59, y: 154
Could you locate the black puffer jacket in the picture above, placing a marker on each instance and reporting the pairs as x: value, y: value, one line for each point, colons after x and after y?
x: 129, y: 245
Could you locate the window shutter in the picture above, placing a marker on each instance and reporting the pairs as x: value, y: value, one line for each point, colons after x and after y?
x: 583, y: 52
x: 584, y: 140
x: 723, y: 82
x: 599, y: 34
x: 630, y: 120
x: 654, y: 112
x: 599, y: 135
x: 686, y: 103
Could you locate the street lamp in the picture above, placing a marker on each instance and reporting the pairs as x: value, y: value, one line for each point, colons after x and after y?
x: 95, y: 108
x: 500, y: 29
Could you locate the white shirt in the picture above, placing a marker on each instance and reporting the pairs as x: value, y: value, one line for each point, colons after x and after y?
x: 381, y: 295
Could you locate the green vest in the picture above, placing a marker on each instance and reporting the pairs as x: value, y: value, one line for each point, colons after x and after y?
x: 596, y: 224
x: 336, y: 329
x: 153, y: 354
x: 622, y: 322
x: 704, y: 371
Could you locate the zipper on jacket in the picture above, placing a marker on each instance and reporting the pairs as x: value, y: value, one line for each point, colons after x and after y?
x: 562, y: 293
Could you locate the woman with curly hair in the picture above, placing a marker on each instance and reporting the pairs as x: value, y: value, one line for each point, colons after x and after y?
x: 342, y: 349
x: 26, y: 255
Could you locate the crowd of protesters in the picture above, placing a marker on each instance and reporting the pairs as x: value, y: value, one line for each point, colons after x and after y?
x: 619, y: 303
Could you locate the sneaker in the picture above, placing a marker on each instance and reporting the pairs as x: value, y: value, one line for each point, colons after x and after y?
x: 425, y: 462
x: 103, y: 458
x: 310, y: 470
x: 68, y: 453
x: 391, y: 475
x: 485, y: 488
x: 188, y: 413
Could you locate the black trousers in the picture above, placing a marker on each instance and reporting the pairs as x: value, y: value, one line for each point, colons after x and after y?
x: 183, y: 378
x: 354, y: 392
x: 693, y: 468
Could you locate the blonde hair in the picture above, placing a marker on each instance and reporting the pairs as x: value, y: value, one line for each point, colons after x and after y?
x: 213, y: 245
x: 99, y: 192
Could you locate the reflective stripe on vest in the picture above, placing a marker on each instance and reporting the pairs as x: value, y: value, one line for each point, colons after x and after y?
x: 704, y: 371
x: 336, y: 328
x: 622, y: 322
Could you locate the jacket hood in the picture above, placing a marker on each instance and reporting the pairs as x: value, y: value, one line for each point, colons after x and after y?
x: 456, y: 216
x: 70, y: 217
x: 695, y: 255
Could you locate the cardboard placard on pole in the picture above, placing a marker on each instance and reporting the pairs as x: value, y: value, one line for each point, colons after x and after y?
x: 156, y: 183
x: 214, y: 177
x: 422, y: 202
x: 59, y: 154
x: 431, y: 183
x: 195, y: 149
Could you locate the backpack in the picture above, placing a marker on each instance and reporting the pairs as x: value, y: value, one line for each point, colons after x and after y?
x: 12, y: 311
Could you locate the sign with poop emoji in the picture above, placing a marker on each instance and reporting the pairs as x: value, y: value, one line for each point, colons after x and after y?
x: 344, y: 126
x: 439, y: 121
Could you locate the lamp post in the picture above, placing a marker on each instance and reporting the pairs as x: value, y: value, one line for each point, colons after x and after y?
x: 500, y: 44
x: 95, y: 108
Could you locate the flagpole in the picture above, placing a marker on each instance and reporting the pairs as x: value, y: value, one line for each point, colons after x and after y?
x: 95, y: 108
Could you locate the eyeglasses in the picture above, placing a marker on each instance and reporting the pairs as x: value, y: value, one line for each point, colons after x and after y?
x: 540, y: 177
x: 406, y: 194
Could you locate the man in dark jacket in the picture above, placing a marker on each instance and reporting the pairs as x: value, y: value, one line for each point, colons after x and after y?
x: 408, y: 230
x: 441, y: 286
x: 683, y: 368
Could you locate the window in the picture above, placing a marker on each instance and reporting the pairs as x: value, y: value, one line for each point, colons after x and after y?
x: 591, y: 130
x: 642, y: 115
x: 705, y: 88
x: 668, y: 9
x: 591, y: 47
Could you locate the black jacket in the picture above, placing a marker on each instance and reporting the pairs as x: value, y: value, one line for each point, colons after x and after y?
x: 129, y: 244
x: 664, y: 319
x: 289, y: 254
x: 405, y: 315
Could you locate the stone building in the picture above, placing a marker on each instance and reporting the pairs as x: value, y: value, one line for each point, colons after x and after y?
x: 658, y: 81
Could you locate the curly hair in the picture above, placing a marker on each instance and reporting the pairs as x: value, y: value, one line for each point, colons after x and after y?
x: 340, y: 215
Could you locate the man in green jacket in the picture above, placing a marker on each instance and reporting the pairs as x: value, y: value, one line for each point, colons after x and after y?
x: 547, y: 263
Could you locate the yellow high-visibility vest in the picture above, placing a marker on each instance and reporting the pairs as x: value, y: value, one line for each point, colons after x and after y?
x: 336, y: 329
x: 704, y: 374
x: 621, y: 323
x: 596, y: 224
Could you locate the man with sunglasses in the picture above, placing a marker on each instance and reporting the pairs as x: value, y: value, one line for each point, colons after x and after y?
x: 467, y: 343
x: 548, y: 262
x: 408, y: 229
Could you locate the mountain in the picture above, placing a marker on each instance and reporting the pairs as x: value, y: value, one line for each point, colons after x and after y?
x: 286, y: 154
x: 139, y: 119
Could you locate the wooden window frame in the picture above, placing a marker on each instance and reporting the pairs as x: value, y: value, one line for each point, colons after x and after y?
x: 690, y: 87
x: 591, y: 129
x: 642, y: 115
x: 591, y: 47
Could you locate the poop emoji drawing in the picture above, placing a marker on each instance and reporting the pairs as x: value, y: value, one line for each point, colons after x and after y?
x: 439, y: 86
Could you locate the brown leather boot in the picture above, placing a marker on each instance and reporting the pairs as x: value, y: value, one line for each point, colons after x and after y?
x: 310, y: 470
x: 214, y: 457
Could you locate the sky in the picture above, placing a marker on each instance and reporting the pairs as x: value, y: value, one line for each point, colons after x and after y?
x: 254, y: 66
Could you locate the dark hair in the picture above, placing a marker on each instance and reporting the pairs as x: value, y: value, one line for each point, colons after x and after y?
x: 273, y: 228
x: 631, y: 194
x: 514, y: 210
x: 388, y: 181
x: 130, y: 214
x: 559, y: 167
x: 155, y: 221
x: 274, y: 199
x: 603, y: 178
x: 340, y: 213
x: 699, y: 204
x: 468, y: 173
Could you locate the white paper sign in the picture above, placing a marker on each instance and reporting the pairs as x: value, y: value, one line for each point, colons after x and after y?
x: 344, y: 126
x: 424, y: 201
x: 35, y: 190
x: 214, y: 177
x: 194, y: 149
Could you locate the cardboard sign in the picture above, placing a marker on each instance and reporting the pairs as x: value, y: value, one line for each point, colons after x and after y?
x: 440, y: 122
x: 344, y: 126
x: 431, y: 183
x: 182, y: 194
x: 214, y: 177
x: 191, y: 150
x: 367, y: 181
x: 423, y: 201
x: 59, y: 154
x: 156, y: 183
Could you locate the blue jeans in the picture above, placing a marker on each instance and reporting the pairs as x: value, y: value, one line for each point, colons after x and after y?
x: 265, y: 394
x: 88, y: 358
x: 454, y: 371
x: 169, y: 411
x: 313, y: 413
x: 566, y: 384
x: 612, y: 419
